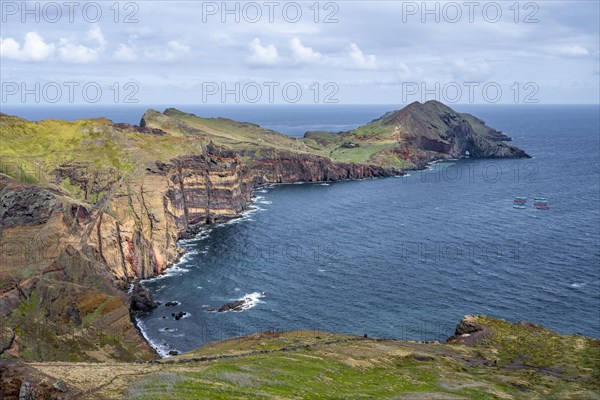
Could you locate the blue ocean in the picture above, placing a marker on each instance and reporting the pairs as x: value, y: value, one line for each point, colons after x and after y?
x: 404, y: 257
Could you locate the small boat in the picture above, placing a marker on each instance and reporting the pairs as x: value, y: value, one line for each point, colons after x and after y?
x: 519, y: 206
x: 540, y: 203
x: 520, y: 198
x: 541, y: 199
x: 542, y: 207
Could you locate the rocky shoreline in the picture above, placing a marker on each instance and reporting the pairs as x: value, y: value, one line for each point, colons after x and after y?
x: 107, y: 208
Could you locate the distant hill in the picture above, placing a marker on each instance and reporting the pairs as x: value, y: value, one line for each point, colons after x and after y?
x: 415, y: 135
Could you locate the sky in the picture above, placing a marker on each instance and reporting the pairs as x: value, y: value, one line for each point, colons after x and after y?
x: 345, y: 52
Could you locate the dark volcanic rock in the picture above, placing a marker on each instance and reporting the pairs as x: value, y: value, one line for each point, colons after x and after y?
x: 237, y: 305
x: 140, y: 129
x: 469, y: 331
x: 171, y: 303
x: 141, y: 299
x: 179, y: 315
x: 73, y: 314
x: 467, y: 326
x: 28, y: 206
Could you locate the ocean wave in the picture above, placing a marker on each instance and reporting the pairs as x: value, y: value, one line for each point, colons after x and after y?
x: 251, y: 300
x: 245, y: 215
x: 202, y: 235
x: 169, y: 272
x: 161, y: 349
x: 248, y: 301
x: 577, y: 285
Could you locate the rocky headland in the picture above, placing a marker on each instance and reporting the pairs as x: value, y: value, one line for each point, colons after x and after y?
x: 88, y: 208
x: 91, y: 207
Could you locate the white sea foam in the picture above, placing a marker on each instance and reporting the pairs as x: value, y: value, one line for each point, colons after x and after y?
x: 202, y: 235
x: 244, y: 216
x: 161, y: 349
x: 324, y: 184
x: 171, y: 271
x: 577, y: 285
x: 251, y: 300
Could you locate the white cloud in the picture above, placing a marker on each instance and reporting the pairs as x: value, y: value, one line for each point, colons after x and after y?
x: 72, y: 52
x: 303, y: 53
x: 470, y: 70
x: 360, y: 60
x: 574, y: 51
x: 76, y: 53
x: 263, y: 55
x: 95, y: 34
x: 178, y: 47
x: 125, y: 53
x: 172, y: 51
x: 34, y: 48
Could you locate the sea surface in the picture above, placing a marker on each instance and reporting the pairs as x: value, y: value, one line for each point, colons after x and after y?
x: 405, y: 257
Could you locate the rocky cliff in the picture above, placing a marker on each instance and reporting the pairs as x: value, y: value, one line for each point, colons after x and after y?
x: 88, y: 207
x: 416, y: 135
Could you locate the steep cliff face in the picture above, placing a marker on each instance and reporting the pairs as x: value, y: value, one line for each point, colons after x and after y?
x: 58, y: 301
x: 133, y: 228
x: 136, y: 233
x: 106, y: 204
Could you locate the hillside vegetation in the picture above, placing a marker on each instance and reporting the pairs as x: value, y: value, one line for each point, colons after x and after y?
x: 497, y: 360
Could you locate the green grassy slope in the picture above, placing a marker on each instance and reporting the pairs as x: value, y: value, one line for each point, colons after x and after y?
x: 508, y: 361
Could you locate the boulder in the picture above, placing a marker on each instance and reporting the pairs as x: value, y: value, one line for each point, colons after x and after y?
x: 179, y: 315
x: 141, y: 299
x: 237, y: 305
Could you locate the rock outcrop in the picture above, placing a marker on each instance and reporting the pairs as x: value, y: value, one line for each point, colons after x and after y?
x: 141, y: 299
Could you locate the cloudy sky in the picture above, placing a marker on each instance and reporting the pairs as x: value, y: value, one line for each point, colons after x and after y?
x: 183, y: 52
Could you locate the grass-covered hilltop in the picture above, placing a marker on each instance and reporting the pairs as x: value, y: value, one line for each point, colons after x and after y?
x: 487, y: 359
x: 90, y: 207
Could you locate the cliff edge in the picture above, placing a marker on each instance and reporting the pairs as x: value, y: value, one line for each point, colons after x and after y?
x: 89, y: 207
